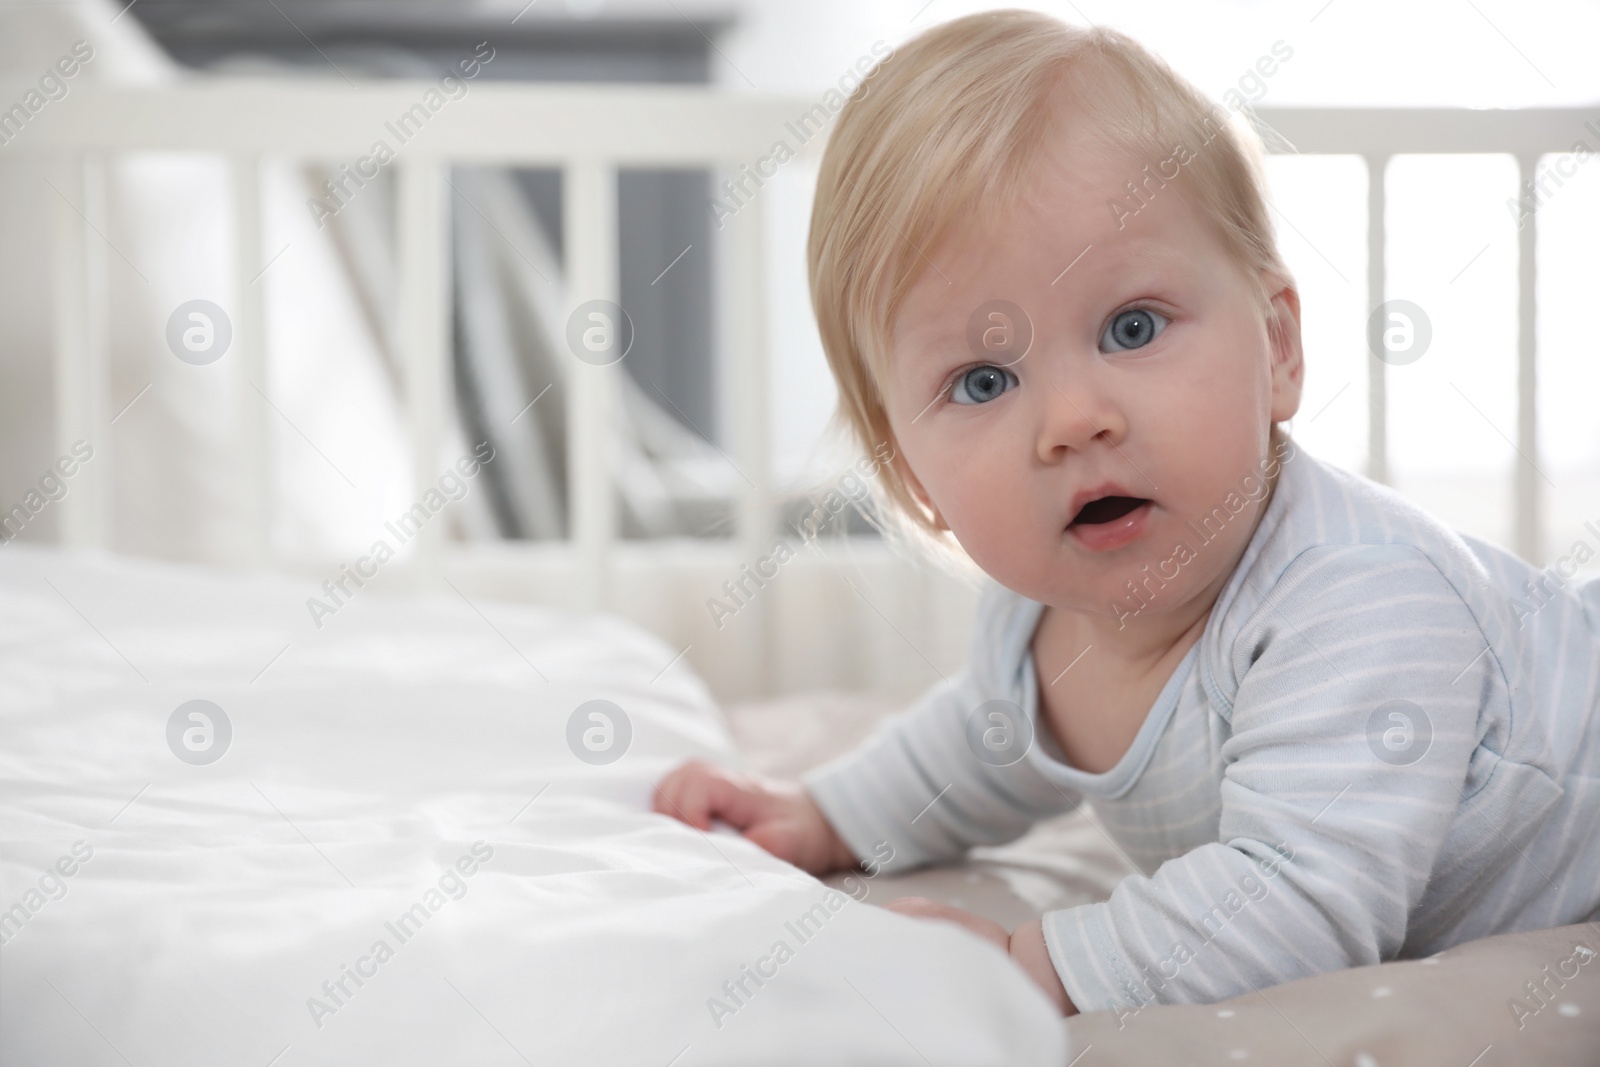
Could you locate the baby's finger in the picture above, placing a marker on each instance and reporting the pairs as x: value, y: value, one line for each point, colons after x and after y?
x: 699, y: 792
x: 919, y: 908
x: 672, y: 791
x: 661, y: 798
x: 703, y: 792
x: 736, y: 800
x: 682, y: 797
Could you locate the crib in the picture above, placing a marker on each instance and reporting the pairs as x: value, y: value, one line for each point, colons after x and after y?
x: 589, y: 133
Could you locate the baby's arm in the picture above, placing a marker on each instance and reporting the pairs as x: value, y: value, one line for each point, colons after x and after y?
x: 1327, y: 839
x: 914, y: 791
x: 1027, y: 947
x: 918, y: 784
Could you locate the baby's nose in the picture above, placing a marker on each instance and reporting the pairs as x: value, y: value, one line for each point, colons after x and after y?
x: 1075, y: 411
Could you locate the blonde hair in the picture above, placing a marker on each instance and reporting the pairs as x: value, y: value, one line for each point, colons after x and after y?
x: 943, y: 131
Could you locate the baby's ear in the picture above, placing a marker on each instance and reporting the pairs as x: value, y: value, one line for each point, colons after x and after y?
x: 1284, y: 341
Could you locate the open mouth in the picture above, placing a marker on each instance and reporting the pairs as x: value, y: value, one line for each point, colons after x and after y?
x: 1106, y: 509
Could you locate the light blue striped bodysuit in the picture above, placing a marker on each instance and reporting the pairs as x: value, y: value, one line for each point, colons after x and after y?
x: 1385, y: 742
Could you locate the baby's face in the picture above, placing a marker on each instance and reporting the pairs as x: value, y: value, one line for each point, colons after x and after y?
x: 1151, y: 376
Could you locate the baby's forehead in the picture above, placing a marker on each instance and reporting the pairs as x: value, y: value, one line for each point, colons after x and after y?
x: 1083, y: 164
x: 1095, y: 196
x: 1076, y: 131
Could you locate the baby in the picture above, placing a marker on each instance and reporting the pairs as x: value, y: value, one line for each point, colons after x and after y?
x: 1327, y: 729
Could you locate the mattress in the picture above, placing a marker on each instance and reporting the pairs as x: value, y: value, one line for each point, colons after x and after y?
x: 413, y: 830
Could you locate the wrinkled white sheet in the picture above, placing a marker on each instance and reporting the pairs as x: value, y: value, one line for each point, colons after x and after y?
x: 368, y: 759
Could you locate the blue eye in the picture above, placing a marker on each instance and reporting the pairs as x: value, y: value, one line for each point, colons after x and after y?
x: 981, y: 385
x: 1133, y: 328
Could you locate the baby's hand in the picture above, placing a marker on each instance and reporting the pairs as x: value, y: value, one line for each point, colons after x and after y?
x: 779, y: 816
x: 923, y: 908
x: 1025, y: 945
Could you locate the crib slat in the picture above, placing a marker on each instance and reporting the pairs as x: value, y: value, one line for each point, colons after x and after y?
x: 748, y: 408
x: 1377, y: 279
x: 423, y: 337
x: 255, y: 481
x: 82, y: 362
x: 748, y: 375
x: 1527, y: 534
x: 590, y: 222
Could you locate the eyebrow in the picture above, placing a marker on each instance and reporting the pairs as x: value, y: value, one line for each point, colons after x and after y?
x: 1144, y: 249
x: 1141, y: 257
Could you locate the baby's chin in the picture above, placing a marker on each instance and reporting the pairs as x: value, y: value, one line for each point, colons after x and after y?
x: 1132, y: 584
x: 1068, y: 582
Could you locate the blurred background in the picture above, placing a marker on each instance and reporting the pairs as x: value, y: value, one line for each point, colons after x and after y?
x: 160, y: 231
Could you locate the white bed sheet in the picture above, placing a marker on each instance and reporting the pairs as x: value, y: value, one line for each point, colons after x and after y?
x: 367, y: 758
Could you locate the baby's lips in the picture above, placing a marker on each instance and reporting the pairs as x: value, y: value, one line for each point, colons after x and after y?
x: 1113, y: 534
x: 1108, y: 513
x: 1094, y: 491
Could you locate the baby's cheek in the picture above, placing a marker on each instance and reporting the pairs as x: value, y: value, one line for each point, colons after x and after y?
x: 999, y: 516
x: 1008, y: 548
x: 987, y: 519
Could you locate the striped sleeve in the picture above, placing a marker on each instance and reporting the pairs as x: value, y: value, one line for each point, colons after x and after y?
x: 1360, y: 678
x: 918, y: 785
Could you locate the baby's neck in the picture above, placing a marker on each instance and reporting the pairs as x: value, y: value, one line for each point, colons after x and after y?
x: 1155, y: 637
x: 1097, y: 683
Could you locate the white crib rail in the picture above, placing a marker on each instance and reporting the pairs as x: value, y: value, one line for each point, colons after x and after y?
x: 588, y: 132
x: 1377, y: 135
